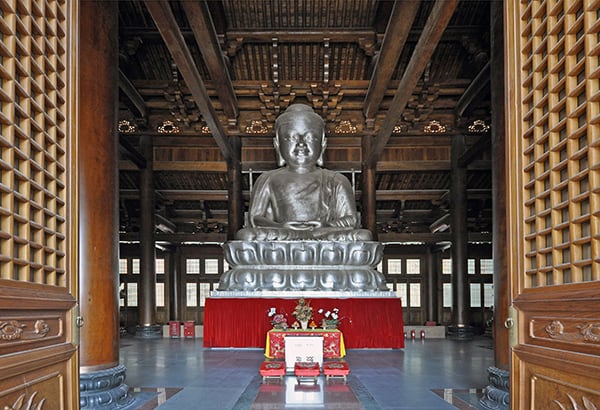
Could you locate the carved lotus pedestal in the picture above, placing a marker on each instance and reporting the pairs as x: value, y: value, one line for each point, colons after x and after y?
x: 260, y: 268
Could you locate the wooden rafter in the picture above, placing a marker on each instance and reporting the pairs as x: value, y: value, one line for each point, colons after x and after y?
x: 395, y: 37
x: 432, y: 33
x: 137, y: 103
x: 169, y: 29
x: 473, y: 93
x: 483, y: 144
x: 199, y: 19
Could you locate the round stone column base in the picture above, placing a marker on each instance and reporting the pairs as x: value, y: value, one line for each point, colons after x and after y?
x: 460, y: 332
x: 104, y: 389
x: 497, y: 395
x: 148, y: 332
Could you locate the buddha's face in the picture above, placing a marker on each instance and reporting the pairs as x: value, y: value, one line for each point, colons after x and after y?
x: 300, y: 142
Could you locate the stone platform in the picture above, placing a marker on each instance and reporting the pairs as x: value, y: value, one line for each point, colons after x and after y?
x: 431, y: 332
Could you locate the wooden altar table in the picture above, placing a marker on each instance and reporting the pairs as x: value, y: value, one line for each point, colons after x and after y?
x: 333, y: 342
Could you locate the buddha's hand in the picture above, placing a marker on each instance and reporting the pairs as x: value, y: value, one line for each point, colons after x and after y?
x: 348, y: 221
x: 302, y: 225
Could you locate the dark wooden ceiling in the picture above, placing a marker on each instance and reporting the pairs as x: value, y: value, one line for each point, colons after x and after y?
x: 200, y: 77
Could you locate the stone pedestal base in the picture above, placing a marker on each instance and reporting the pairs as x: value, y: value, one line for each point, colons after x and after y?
x: 497, y: 395
x: 148, y: 332
x: 302, y: 266
x: 105, y: 389
x: 458, y: 332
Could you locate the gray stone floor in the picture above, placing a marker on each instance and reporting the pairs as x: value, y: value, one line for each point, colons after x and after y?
x: 180, y: 374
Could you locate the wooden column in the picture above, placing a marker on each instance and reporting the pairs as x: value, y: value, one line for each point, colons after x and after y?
x: 101, y: 376
x: 147, y: 327
x: 368, y: 199
x: 497, y: 393
x: 499, y: 246
x: 175, y: 289
x: 459, y: 326
x: 236, y: 201
x: 432, y: 264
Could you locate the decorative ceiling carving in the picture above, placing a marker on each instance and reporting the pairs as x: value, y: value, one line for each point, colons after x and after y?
x: 407, y: 75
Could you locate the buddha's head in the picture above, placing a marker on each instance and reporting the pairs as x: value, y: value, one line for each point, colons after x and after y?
x: 300, y: 137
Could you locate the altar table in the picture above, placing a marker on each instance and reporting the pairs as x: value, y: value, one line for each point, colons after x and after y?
x: 333, y: 342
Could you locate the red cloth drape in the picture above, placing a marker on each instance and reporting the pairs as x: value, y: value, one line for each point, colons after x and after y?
x: 244, y: 322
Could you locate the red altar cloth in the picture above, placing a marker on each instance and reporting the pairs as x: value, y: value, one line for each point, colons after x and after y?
x: 244, y: 322
x: 333, y: 342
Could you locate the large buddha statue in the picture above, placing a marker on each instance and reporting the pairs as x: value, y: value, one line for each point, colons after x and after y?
x: 303, y: 231
x: 300, y: 200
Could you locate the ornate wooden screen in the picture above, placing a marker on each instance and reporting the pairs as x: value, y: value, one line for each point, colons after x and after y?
x: 36, y: 349
x: 553, y: 141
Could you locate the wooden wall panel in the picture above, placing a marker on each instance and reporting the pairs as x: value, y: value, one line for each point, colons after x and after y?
x: 556, y: 384
x: 44, y: 388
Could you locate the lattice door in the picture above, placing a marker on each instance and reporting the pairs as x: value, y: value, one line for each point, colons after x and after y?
x: 37, y: 353
x: 553, y: 139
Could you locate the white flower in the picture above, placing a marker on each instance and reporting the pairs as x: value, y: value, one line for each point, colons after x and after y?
x: 272, y: 311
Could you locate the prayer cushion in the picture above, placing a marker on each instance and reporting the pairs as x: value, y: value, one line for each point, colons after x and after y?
x: 307, y: 369
x: 272, y: 369
x: 336, y: 369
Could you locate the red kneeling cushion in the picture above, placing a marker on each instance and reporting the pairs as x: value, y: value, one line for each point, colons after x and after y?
x: 336, y: 369
x: 272, y: 369
x: 307, y: 369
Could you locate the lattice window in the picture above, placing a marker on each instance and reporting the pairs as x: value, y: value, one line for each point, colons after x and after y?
x: 33, y: 141
x: 559, y: 146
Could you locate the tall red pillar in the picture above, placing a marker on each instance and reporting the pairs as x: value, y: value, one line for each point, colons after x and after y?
x: 101, y: 375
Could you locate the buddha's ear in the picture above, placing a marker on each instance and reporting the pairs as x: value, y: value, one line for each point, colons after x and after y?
x: 280, y: 159
x: 320, y: 160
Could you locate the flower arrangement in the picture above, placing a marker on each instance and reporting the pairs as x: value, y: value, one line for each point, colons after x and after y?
x: 303, y: 311
x: 331, y: 318
x: 278, y: 320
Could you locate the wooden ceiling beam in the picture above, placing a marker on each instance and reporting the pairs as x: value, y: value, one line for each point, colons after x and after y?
x: 200, y: 20
x: 484, y: 143
x: 222, y: 195
x: 397, y: 237
x: 137, y: 104
x: 452, y: 34
x: 301, y: 36
x: 133, y: 154
x: 169, y: 29
x: 479, y: 86
x: 397, y: 31
x: 432, y: 33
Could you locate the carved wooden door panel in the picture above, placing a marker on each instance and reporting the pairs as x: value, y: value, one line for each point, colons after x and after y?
x: 553, y: 142
x: 38, y: 365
